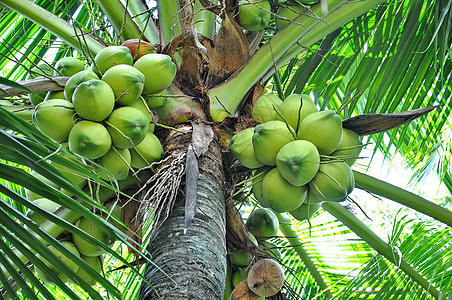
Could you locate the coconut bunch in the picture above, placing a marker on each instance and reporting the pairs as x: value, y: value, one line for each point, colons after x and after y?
x: 90, y: 253
x: 102, y: 114
x: 301, y: 156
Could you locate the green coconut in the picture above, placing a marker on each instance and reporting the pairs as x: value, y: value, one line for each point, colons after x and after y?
x: 45, y: 203
x: 117, y: 163
x: 84, y: 246
x: 148, y: 151
x: 242, y: 148
x: 55, y: 118
x: 350, y: 146
x: 89, y: 139
x: 55, y: 95
x: 112, y: 56
x: 271, y: 249
x: 156, y: 102
x: 41, y: 70
x: 334, y: 182
x: 298, y: 162
x: 56, y: 268
x: 141, y: 105
x: 75, y: 80
x: 127, y: 126
x: 258, y: 177
x: 268, y: 139
x: 68, y: 66
x: 76, y: 177
x: 280, y: 195
x: 323, y: 129
x: 305, y: 211
x: 243, y: 258
x: 32, y: 195
x: 94, y: 262
x: 159, y: 71
x: 295, y: 108
x: 254, y: 16
x: 264, y: 221
x: 93, y: 100
x: 265, y: 108
x: 285, y: 15
x: 126, y: 81
x: 239, y: 275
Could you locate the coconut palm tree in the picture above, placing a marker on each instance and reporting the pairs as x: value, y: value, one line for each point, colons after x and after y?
x: 382, y: 66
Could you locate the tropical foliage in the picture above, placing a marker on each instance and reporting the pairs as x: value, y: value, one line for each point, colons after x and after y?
x: 355, y: 57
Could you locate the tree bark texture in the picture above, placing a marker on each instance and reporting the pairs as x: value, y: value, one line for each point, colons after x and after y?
x: 193, y: 265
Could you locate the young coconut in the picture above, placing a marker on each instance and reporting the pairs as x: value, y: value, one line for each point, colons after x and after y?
x: 40, y: 71
x: 56, y: 268
x: 93, y: 100
x: 295, y: 108
x: 242, y: 259
x: 266, y: 277
x: 117, y: 163
x: 55, y: 95
x: 259, y: 175
x: 264, y: 221
x: 268, y: 139
x: 138, y: 48
x: 239, y: 275
x: 75, y: 80
x: 351, y: 145
x: 85, y: 247
x: 265, y: 108
x: 159, y: 71
x: 126, y: 82
x: 280, y: 195
x: 146, y: 152
x: 112, y: 56
x: 242, y: 148
x: 94, y: 262
x: 298, y: 162
x: 288, y: 14
x: 55, y: 118
x: 271, y: 249
x: 89, y: 139
x: 127, y: 126
x: 68, y: 66
x: 305, y: 211
x: 254, y: 16
x: 323, y: 129
x: 334, y: 182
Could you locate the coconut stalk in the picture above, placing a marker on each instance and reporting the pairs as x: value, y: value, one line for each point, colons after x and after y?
x: 226, y: 98
x: 364, y: 232
x: 169, y: 20
x: 55, y: 25
x: 404, y: 197
x: 286, y: 228
x: 124, y: 26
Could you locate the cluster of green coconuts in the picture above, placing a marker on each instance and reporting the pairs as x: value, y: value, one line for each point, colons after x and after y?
x: 264, y: 223
x: 301, y: 157
x: 104, y: 114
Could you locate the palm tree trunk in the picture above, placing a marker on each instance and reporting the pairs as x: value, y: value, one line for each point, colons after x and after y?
x: 192, y: 265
